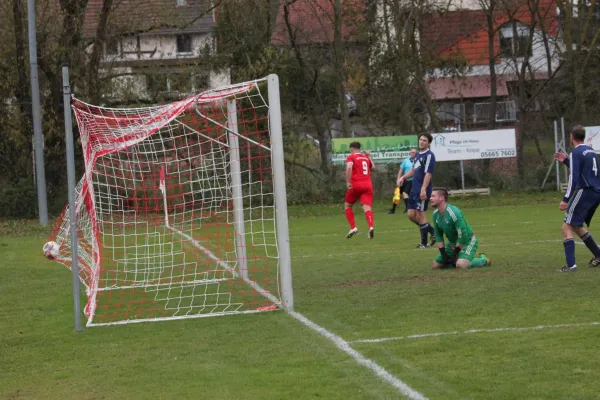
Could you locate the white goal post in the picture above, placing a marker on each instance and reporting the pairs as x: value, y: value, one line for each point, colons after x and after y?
x: 181, y: 212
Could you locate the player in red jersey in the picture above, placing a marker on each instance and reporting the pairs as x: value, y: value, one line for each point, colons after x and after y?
x: 360, y: 187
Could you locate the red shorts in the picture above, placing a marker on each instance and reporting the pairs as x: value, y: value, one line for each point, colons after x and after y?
x: 363, y: 192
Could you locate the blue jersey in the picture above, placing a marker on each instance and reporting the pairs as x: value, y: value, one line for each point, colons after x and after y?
x: 583, y: 165
x: 406, y: 166
x: 424, y: 163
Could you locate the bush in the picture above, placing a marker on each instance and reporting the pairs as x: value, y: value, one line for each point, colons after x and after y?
x: 18, y: 200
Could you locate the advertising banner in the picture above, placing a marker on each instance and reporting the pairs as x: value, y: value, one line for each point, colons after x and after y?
x: 474, y: 145
x: 452, y: 146
x: 384, y: 149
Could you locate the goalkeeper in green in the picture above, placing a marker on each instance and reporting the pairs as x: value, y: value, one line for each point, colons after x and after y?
x: 462, y: 243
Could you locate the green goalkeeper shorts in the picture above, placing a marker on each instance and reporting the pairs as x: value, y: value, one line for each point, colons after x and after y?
x: 467, y: 253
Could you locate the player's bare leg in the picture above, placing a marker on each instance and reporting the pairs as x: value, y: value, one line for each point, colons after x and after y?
x: 370, y: 220
x: 350, y: 217
x: 413, y: 216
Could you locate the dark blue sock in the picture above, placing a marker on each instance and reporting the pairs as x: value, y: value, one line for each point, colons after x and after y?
x: 591, y: 244
x: 430, y: 229
x: 424, y: 229
x: 569, y: 252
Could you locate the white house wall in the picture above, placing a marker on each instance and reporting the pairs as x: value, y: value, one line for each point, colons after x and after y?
x: 127, y: 83
x: 159, y: 47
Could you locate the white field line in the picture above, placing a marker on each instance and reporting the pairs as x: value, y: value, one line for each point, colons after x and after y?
x: 337, y: 341
x: 379, y: 251
x: 428, y: 335
x: 359, y: 358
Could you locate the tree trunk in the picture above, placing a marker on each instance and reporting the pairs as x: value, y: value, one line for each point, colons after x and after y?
x: 97, y: 51
x: 491, y: 33
x: 338, y: 60
x: 323, y: 134
x: 21, y: 89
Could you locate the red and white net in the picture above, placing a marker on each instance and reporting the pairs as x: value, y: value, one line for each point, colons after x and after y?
x: 164, y: 229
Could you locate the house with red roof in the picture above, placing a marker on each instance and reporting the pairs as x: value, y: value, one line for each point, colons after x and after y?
x: 455, y: 37
x: 460, y: 39
x: 310, y: 24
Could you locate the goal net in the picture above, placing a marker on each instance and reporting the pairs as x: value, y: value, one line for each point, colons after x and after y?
x: 181, y: 209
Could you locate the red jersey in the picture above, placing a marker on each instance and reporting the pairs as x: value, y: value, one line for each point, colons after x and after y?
x: 361, y: 168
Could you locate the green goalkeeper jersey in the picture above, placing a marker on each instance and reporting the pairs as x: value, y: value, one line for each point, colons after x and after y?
x: 452, y: 224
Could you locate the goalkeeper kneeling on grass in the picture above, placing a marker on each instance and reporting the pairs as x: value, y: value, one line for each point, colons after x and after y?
x: 462, y: 243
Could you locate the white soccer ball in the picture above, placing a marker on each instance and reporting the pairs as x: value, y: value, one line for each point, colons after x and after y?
x: 51, y: 250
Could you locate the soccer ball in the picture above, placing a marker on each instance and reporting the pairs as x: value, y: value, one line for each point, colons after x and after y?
x: 51, y: 250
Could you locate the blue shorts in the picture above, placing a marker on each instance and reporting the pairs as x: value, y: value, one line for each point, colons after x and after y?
x: 415, y: 202
x: 581, y: 207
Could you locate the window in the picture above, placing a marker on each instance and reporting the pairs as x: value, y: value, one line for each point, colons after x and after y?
x: 181, y: 3
x: 112, y: 47
x: 184, y: 43
x: 512, y: 45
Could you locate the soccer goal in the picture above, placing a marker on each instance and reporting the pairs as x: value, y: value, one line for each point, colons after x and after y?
x: 181, y: 212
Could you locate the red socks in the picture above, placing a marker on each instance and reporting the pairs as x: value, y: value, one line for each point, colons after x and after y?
x: 370, y: 218
x: 350, y: 218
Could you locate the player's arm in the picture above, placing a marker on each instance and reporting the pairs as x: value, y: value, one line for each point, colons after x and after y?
x: 429, y: 168
x: 461, y: 226
x: 439, y: 237
x: 562, y: 157
x: 371, y: 163
x: 400, y: 172
x: 574, y: 169
x: 426, y: 181
x: 404, y: 177
x: 349, y: 165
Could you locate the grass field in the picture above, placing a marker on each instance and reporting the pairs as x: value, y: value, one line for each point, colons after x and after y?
x: 446, y: 334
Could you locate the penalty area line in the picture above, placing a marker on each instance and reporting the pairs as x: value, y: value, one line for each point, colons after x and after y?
x: 492, y: 330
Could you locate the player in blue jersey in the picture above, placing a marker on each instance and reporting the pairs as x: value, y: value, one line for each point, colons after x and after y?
x: 405, y: 166
x: 581, y: 198
x: 418, y: 199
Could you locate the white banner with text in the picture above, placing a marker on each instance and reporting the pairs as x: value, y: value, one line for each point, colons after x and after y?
x: 474, y: 145
x: 592, y: 137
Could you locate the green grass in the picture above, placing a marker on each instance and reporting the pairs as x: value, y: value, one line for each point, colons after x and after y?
x: 357, y: 289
